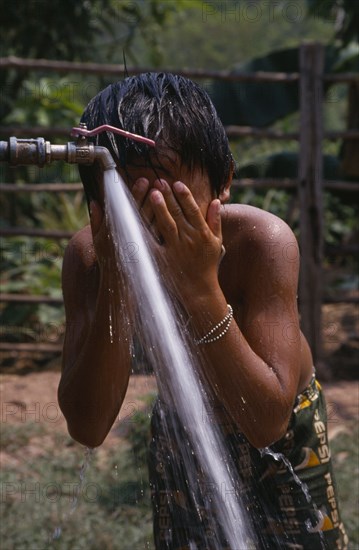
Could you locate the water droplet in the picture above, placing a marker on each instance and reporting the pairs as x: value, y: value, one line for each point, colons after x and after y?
x: 57, y: 533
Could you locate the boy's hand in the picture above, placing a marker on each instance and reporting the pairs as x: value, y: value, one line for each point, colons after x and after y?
x: 141, y: 193
x: 191, y: 244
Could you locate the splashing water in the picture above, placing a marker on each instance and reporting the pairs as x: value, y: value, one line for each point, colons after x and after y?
x: 279, y: 457
x: 79, y: 487
x: 174, y: 362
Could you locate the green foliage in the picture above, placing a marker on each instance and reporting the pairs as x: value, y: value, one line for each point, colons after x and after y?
x: 345, y: 461
x: 52, y: 30
x: 340, y: 210
x: 344, y: 13
x: 40, y: 484
x: 46, y: 102
x: 16, y: 436
x: 341, y: 219
x: 61, y: 210
x: 100, y: 30
x: 139, y: 432
x: 219, y: 35
x: 113, y: 509
x: 32, y: 266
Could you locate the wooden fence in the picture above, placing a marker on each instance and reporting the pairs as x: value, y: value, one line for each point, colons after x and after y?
x: 309, y: 183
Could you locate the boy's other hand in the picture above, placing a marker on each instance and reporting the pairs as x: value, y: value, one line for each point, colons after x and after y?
x: 141, y: 192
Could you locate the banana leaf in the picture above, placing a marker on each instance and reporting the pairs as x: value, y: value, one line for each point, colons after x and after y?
x: 261, y: 104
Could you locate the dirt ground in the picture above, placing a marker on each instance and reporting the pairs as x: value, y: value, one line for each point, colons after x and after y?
x: 33, y: 398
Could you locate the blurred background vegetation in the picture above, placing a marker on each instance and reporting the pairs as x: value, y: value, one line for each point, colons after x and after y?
x: 231, y: 35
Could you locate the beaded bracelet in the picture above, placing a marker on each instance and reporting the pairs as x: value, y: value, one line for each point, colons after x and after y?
x: 208, y: 338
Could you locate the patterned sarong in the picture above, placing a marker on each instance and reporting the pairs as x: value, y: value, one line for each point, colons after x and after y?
x: 288, y: 490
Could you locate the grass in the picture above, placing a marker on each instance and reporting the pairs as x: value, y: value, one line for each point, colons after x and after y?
x: 113, y: 510
x: 345, y: 451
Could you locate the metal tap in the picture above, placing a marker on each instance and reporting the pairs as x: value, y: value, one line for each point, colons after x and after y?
x: 19, y: 152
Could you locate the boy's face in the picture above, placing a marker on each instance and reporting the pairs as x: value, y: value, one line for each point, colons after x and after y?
x: 167, y: 165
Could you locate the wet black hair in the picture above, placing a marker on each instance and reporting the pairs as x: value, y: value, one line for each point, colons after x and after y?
x: 170, y: 109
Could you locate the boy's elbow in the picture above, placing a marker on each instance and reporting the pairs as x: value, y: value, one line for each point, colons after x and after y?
x: 87, y: 433
x: 89, y: 439
x: 268, y: 430
x: 261, y: 439
x: 82, y: 428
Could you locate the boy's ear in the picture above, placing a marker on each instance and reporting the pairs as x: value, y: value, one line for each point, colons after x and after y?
x: 225, y: 190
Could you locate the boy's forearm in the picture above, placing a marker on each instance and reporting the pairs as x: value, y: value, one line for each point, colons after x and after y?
x: 93, y: 385
x: 250, y: 389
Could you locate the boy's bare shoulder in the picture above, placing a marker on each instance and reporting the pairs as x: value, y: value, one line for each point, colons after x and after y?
x: 251, y: 229
x: 80, y: 250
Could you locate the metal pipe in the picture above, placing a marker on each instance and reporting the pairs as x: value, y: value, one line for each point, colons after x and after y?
x: 20, y: 152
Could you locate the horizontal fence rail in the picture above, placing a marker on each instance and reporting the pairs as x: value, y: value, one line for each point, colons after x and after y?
x: 120, y: 70
x: 264, y: 183
x: 40, y: 187
x: 233, y: 132
x: 30, y: 298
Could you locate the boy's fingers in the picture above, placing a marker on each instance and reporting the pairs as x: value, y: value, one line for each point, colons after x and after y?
x: 171, y: 202
x: 190, y: 209
x: 164, y: 220
x: 139, y: 190
x: 214, y: 218
x: 181, y: 204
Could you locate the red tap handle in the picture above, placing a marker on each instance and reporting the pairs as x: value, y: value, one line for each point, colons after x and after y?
x: 87, y: 133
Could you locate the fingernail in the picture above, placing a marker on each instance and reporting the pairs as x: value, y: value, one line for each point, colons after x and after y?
x: 141, y: 184
x: 161, y: 184
x: 179, y: 186
x: 157, y: 197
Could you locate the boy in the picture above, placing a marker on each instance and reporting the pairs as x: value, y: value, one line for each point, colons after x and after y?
x: 234, y: 270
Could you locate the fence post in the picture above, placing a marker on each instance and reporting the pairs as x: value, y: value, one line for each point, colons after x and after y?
x: 311, y: 194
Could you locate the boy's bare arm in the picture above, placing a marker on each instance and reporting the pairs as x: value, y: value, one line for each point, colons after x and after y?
x: 255, y: 368
x: 96, y: 362
x: 267, y: 340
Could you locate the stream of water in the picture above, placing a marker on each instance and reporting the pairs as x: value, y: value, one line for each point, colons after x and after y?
x: 173, y: 362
